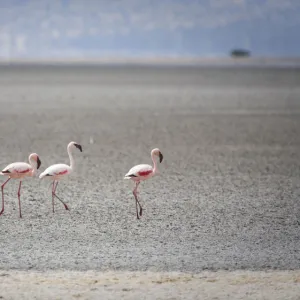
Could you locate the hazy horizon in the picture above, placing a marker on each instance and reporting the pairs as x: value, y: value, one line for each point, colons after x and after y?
x: 31, y: 29
x: 261, y: 62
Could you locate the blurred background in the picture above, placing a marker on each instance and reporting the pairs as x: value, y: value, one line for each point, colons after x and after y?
x: 114, y: 29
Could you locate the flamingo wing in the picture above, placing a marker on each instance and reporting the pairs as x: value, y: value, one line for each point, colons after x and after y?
x: 56, y: 170
x: 139, y: 171
x: 17, y: 168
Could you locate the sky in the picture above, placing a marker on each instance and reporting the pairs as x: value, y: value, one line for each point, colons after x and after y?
x: 141, y: 28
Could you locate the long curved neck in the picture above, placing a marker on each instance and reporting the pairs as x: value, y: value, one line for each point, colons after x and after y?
x: 72, y: 163
x: 34, y: 166
x: 154, y: 163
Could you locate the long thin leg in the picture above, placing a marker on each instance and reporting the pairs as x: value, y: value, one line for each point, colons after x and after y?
x: 53, y: 183
x: 19, y: 195
x: 136, y: 203
x: 141, y: 209
x: 65, y: 205
x: 2, y: 188
x: 136, y: 208
x: 136, y: 198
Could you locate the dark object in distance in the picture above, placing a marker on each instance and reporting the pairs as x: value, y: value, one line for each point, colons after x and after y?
x: 239, y: 53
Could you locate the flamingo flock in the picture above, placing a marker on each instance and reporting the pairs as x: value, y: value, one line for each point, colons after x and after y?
x: 56, y: 172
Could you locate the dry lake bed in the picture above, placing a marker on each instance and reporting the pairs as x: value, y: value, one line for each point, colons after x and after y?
x: 226, y: 198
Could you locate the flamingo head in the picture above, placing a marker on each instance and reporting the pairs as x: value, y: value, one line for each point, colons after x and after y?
x: 34, y: 157
x: 158, y: 153
x: 76, y: 145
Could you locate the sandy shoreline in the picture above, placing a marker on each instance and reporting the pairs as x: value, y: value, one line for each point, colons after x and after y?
x: 149, y: 285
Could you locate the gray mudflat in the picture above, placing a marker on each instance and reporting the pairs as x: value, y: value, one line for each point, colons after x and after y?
x: 228, y: 192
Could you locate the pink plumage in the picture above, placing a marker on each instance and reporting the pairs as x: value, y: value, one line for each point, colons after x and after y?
x: 20, y: 170
x: 59, y: 171
x: 143, y: 172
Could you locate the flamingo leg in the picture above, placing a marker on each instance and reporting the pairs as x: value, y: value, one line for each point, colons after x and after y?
x: 19, y: 195
x: 54, y: 194
x: 53, y: 183
x: 2, y: 188
x: 141, y: 209
x: 136, y: 199
x: 136, y: 208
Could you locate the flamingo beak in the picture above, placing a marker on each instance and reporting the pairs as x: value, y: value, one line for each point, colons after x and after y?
x: 38, y: 162
x: 160, y: 157
x: 78, y: 146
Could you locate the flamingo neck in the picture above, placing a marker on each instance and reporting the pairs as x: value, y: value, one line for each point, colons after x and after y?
x: 155, y: 169
x: 72, y: 163
x: 33, y: 164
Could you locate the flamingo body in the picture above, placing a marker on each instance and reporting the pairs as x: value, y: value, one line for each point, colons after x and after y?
x: 140, y: 172
x: 56, y: 172
x: 20, y: 170
x: 143, y: 172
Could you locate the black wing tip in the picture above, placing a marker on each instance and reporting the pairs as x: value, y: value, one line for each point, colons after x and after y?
x: 5, y: 172
x: 131, y: 175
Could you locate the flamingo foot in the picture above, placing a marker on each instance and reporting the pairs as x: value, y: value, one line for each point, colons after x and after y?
x: 1, y: 212
x: 66, y: 207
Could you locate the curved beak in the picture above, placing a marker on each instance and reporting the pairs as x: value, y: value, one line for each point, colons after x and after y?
x: 38, y: 162
x: 160, y: 157
x: 79, y: 147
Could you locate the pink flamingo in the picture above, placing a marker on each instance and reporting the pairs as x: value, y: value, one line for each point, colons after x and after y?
x: 58, y: 171
x: 20, y: 170
x: 143, y: 172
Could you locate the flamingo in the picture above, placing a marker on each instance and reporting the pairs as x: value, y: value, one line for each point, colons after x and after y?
x: 143, y: 172
x: 20, y: 170
x: 59, y: 171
